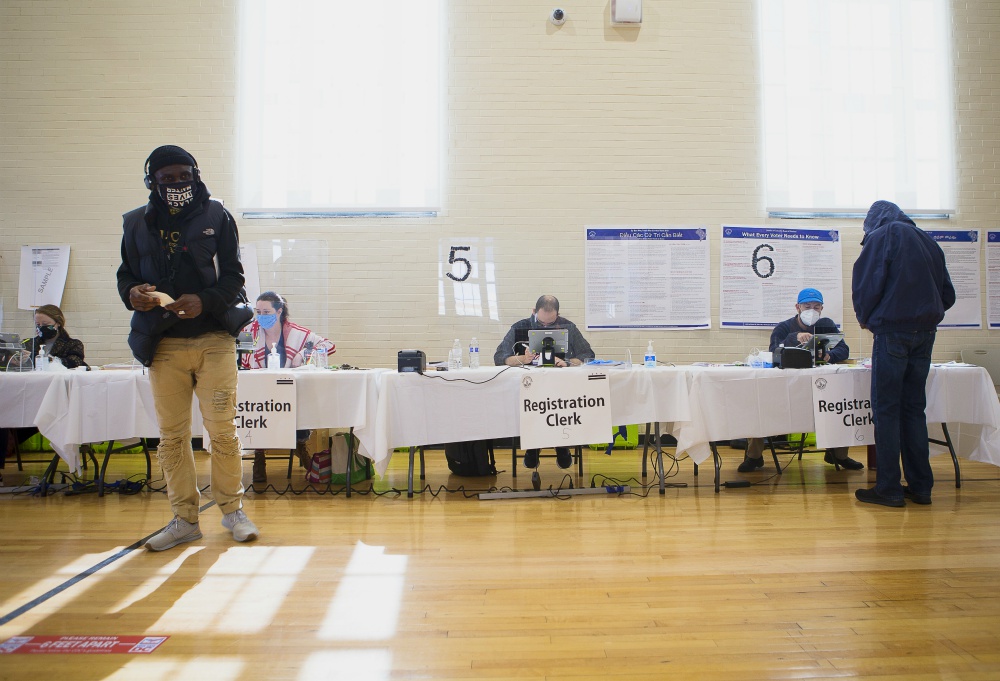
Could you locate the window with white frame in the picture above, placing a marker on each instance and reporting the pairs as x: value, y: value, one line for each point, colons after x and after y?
x: 339, y: 106
x: 857, y: 105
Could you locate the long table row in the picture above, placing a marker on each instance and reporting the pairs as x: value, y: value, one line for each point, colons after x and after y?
x: 387, y: 409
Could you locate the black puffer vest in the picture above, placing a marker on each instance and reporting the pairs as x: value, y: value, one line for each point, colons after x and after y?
x: 144, y: 250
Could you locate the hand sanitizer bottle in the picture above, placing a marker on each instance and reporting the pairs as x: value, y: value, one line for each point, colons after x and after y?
x: 650, y: 361
x: 42, y: 361
x: 474, y: 354
x: 273, y: 359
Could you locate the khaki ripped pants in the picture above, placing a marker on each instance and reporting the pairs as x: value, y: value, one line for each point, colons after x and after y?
x: 206, y: 366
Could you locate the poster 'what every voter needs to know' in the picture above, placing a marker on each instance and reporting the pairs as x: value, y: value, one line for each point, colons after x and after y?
x: 764, y: 268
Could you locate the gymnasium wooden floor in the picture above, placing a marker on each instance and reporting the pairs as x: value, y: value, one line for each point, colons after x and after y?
x: 789, y: 579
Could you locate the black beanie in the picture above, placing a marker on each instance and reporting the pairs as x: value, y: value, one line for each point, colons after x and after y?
x: 168, y: 155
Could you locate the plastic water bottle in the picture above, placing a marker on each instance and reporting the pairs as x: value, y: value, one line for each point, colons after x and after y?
x: 42, y: 361
x: 320, y: 355
x: 273, y: 359
x: 650, y: 361
x: 455, y: 359
x: 474, y: 354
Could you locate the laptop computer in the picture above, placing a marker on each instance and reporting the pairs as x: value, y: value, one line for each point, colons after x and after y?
x: 559, y: 336
x: 11, y: 349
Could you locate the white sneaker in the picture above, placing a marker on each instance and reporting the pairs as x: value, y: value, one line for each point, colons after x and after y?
x: 242, y: 527
x: 176, y: 532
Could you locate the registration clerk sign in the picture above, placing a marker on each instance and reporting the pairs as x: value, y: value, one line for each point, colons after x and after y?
x: 564, y: 407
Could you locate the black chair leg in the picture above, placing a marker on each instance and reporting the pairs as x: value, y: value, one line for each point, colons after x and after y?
x: 774, y: 454
x: 350, y: 458
x: 104, y: 468
x: 954, y: 458
x: 951, y: 450
x: 49, y: 476
x: 579, y: 460
x: 645, y: 451
x: 409, y: 474
x: 17, y: 453
x: 149, y: 461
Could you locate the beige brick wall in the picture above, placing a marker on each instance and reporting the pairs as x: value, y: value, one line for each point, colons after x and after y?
x: 548, y: 130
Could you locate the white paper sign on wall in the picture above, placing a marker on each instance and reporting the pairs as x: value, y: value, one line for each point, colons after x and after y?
x: 564, y: 407
x: 843, y: 410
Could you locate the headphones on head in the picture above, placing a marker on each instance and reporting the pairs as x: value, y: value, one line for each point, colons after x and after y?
x: 150, y: 181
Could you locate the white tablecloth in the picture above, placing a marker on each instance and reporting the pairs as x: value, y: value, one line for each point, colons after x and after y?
x: 477, y: 404
x: 21, y: 395
x: 738, y: 402
x: 71, y: 407
x: 388, y: 409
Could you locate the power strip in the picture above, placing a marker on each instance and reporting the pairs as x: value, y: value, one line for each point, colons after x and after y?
x: 576, y: 491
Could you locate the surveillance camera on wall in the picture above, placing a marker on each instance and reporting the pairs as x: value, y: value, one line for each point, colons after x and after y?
x: 558, y: 17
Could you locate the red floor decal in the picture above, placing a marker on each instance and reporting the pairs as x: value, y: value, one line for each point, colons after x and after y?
x: 81, y: 644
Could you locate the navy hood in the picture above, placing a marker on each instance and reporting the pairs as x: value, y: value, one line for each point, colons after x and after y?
x: 884, y: 213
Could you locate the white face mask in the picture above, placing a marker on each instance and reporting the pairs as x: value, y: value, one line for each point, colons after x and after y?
x: 809, y: 317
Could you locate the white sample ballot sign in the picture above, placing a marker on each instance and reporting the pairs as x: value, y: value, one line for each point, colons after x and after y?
x: 961, y: 254
x: 764, y: 268
x: 43, y: 276
x: 564, y: 407
x: 993, y: 278
x: 265, y: 410
x: 842, y: 408
x: 647, y: 277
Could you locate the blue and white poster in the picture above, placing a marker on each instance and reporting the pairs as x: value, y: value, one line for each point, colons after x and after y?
x: 764, y: 268
x: 961, y: 254
x: 647, y: 277
x: 993, y: 278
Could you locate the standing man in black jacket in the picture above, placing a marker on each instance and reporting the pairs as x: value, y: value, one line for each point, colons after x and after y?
x: 901, y: 289
x: 181, y: 274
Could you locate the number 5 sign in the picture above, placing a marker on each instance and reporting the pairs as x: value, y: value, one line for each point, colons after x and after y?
x: 467, y: 277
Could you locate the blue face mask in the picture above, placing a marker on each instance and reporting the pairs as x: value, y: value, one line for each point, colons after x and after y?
x: 266, y: 321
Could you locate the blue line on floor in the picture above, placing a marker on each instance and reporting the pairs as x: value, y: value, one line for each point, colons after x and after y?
x: 55, y: 591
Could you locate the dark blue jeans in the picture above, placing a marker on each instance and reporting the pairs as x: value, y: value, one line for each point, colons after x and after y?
x: 901, y: 361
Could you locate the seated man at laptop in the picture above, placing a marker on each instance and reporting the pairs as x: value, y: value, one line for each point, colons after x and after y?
x: 795, y: 332
x: 513, y: 351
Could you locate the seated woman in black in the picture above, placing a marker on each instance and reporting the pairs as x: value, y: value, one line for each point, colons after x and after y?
x: 50, y: 333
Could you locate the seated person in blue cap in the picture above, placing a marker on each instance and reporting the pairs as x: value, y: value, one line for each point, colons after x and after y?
x: 809, y: 320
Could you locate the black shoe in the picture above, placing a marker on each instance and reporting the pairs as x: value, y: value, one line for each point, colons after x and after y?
x: 563, y: 458
x: 531, y: 458
x: 870, y: 496
x: 922, y: 499
x: 750, y: 464
x: 847, y: 463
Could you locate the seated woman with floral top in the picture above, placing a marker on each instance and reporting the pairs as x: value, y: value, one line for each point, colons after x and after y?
x: 295, y: 345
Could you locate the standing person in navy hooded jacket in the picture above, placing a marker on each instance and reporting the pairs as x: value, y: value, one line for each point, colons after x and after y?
x: 901, y: 289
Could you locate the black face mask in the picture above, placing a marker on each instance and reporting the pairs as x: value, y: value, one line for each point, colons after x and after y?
x: 47, y: 332
x: 177, y: 195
